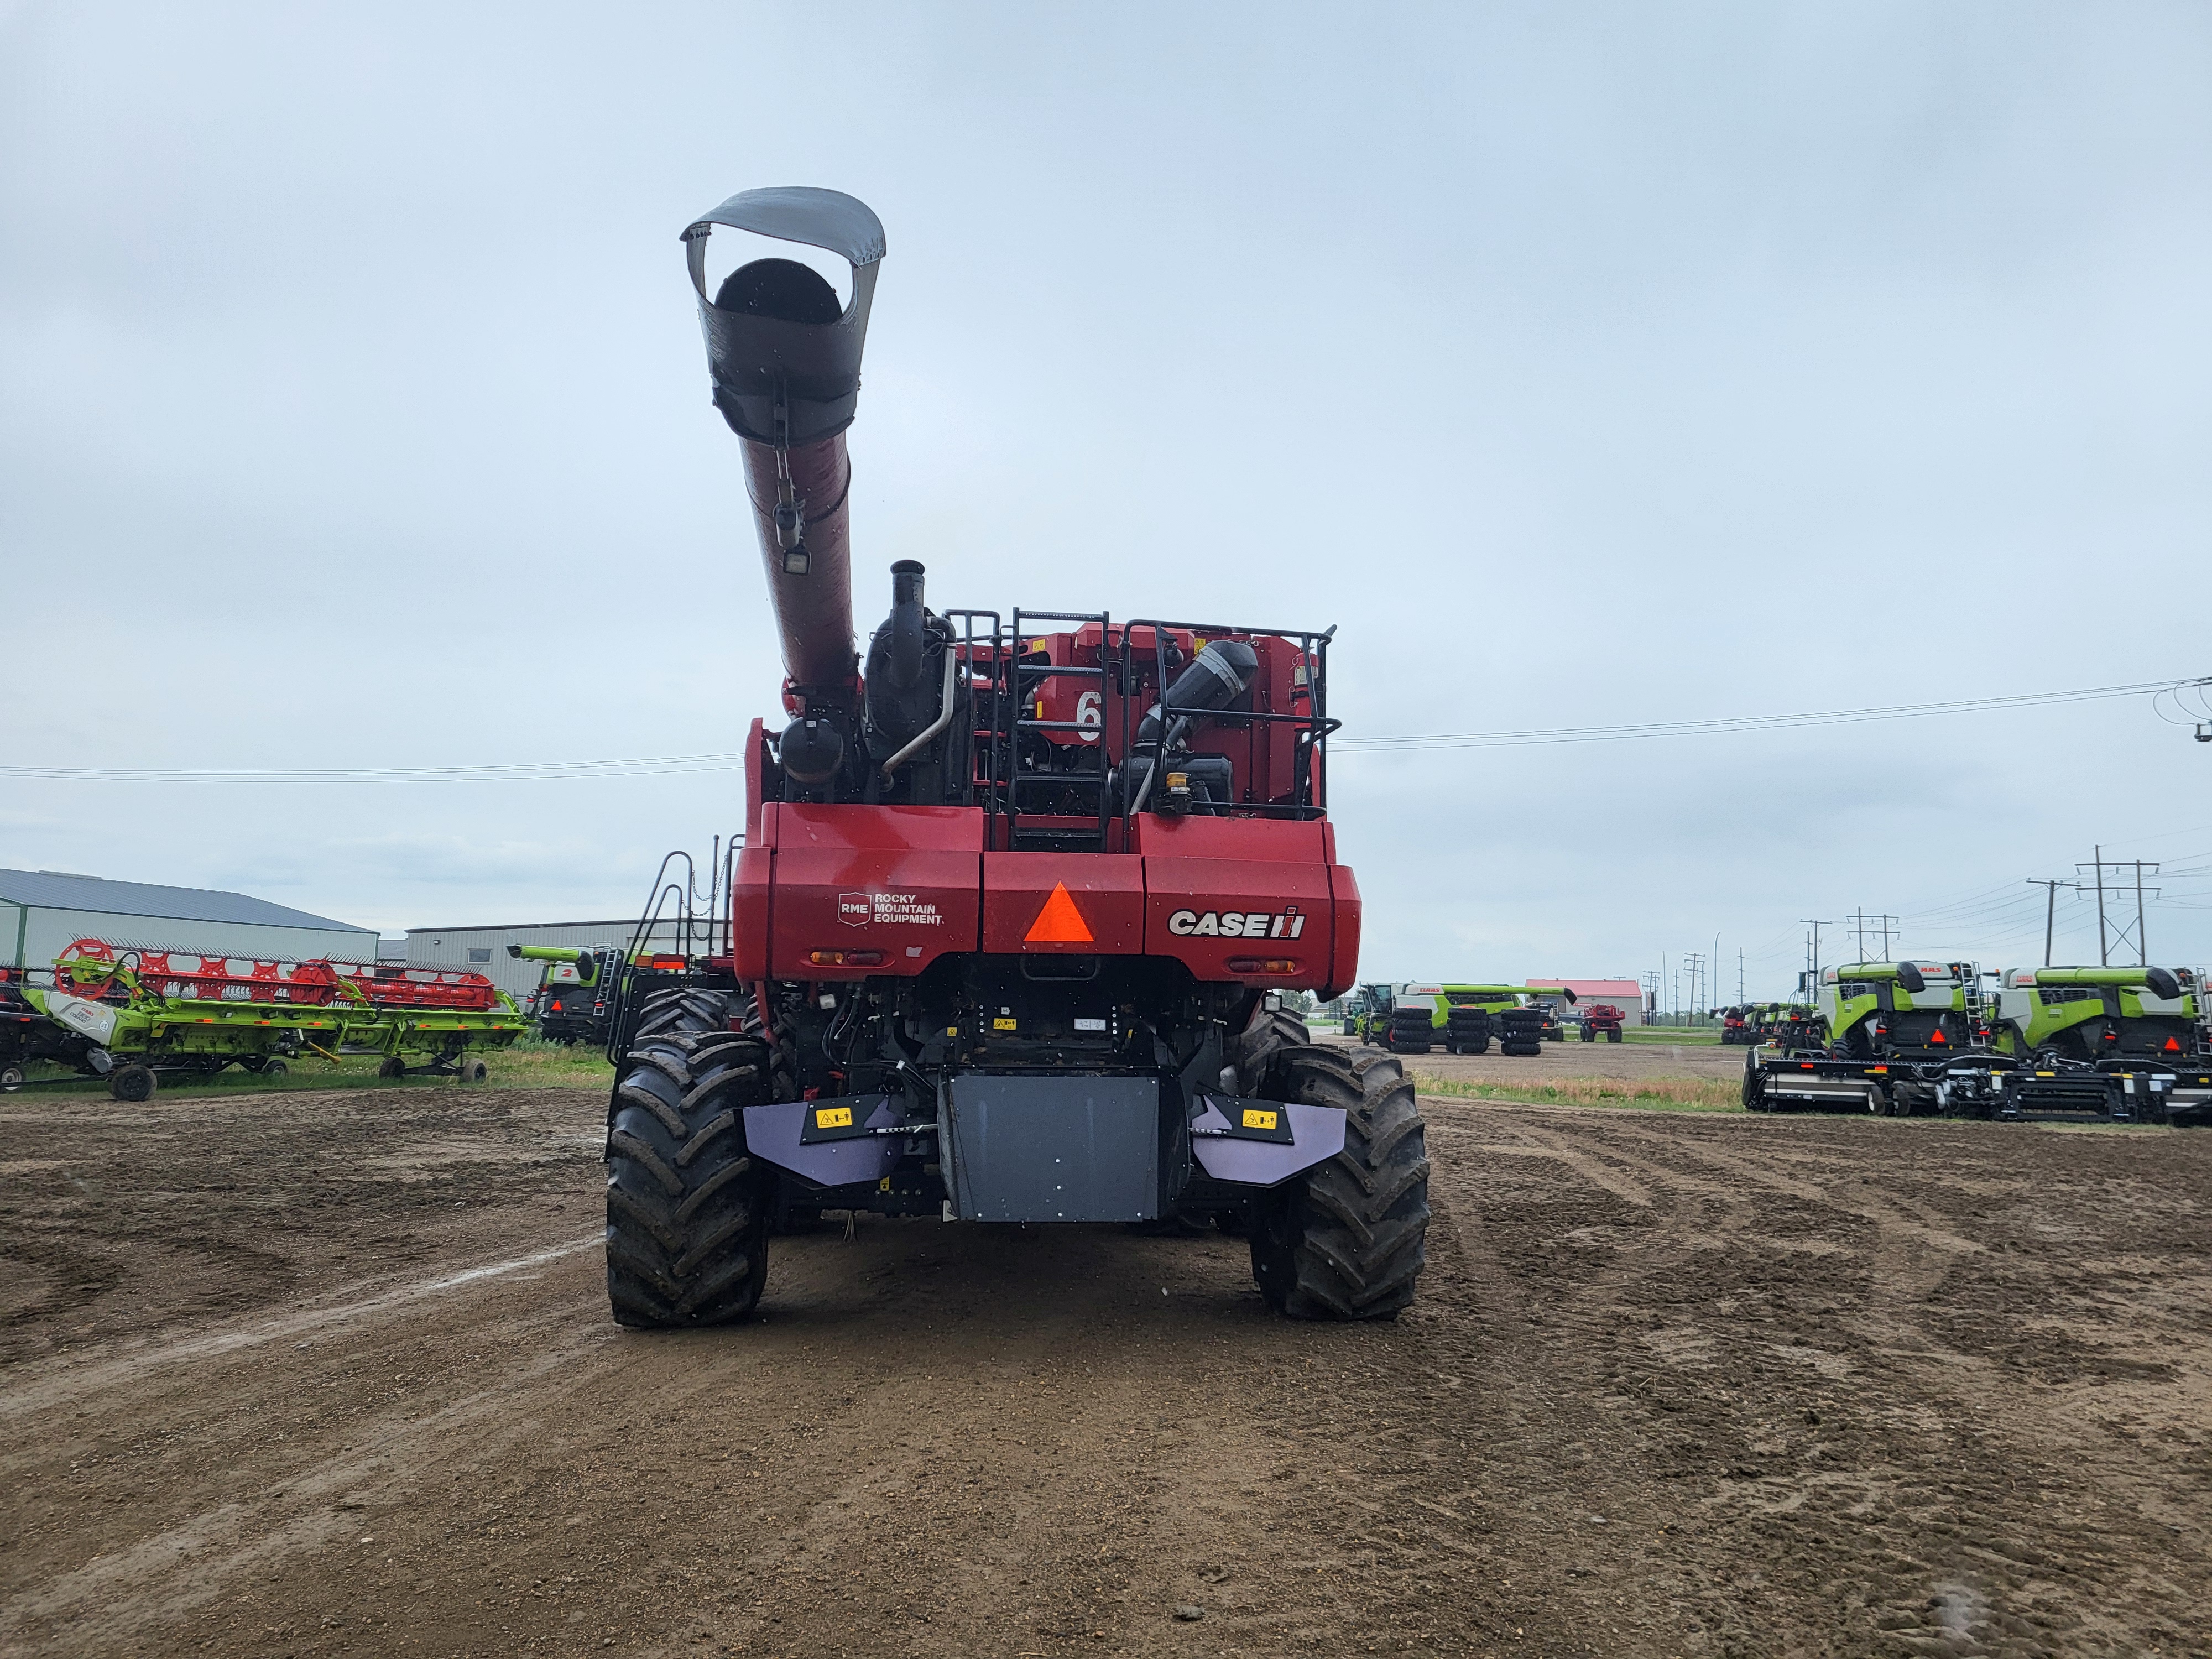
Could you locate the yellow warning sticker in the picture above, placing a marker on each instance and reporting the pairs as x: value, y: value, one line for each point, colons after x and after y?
x: 1255, y: 1119
x: 1002, y: 1025
x: 833, y: 1117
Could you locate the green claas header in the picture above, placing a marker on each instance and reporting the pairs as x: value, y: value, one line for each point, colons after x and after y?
x: 151, y: 1013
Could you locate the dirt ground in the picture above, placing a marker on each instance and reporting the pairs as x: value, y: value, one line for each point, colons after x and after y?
x: 1632, y: 1062
x: 332, y: 1374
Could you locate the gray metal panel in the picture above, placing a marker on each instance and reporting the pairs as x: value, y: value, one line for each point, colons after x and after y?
x: 1054, y: 1148
x: 52, y: 889
x: 774, y: 1134
x: 828, y: 218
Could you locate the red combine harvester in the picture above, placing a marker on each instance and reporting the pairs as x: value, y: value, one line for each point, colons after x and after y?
x: 1014, y: 893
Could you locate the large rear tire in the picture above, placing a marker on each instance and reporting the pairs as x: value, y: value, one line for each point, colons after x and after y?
x: 1266, y: 1035
x: 1346, y: 1239
x: 687, y: 1209
x: 1754, y: 1095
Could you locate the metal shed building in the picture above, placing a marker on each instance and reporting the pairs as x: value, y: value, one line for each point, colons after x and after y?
x: 43, y: 912
x: 483, y: 950
x: 1624, y: 994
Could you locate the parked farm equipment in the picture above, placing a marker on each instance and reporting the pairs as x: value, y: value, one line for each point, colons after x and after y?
x: 28, y: 1038
x: 1603, y: 1019
x: 1367, y: 1012
x: 1896, y: 1038
x: 1013, y: 897
x: 575, y: 993
x: 1466, y: 1018
x: 148, y: 1013
x: 2127, y: 1043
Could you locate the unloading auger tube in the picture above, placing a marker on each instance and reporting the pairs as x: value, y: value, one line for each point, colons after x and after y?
x: 785, y: 360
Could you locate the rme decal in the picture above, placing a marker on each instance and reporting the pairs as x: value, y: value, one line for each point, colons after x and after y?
x: 860, y: 909
x: 1237, y: 924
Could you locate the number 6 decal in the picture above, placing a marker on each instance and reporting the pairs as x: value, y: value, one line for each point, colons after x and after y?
x: 1088, y: 715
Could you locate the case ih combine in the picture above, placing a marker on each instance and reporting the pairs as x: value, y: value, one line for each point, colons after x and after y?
x: 1015, y: 889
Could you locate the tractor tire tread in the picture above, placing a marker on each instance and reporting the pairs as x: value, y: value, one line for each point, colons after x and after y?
x: 687, y: 1207
x: 1267, y: 1033
x: 1346, y: 1240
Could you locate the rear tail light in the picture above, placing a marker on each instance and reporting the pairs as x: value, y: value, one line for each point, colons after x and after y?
x: 1263, y: 965
x: 845, y: 958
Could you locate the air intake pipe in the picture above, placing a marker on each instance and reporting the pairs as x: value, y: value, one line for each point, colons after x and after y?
x: 785, y: 365
x: 1216, y: 676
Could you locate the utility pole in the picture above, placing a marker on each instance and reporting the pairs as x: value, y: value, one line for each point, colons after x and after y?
x: 2050, y: 884
x: 1812, y: 950
x: 1694, y: 964
x: 2118, y: 935
x: 1739, y: 973
x: 1651, y: 996
x: 1861, y: 921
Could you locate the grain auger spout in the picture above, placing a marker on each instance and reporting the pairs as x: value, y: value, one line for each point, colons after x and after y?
x: 786, y: 362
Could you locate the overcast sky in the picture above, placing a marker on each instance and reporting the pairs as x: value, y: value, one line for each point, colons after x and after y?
x: 1586, y: 365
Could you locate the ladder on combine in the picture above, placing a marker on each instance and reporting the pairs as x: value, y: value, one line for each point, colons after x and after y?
x: 1064, y: 831
x: 1977, y: 1005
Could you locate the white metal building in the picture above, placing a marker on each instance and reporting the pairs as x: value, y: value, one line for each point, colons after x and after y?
x: 483, y: 950
x: 43, y: 912
x: 1624, y: 994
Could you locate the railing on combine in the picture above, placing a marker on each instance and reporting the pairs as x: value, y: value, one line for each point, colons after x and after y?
x: 696, y: 925
x: 1309, y: 789
x: 1006, y: 680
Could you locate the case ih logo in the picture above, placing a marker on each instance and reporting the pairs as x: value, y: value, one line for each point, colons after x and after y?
x: 1237, y: 924
x: 854, y: 909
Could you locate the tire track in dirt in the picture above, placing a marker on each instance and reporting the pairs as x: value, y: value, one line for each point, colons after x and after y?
x: 1640, y: 1407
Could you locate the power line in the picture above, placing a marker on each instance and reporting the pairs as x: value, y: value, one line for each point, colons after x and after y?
x: 1746, y: 722
x: 639, y: 766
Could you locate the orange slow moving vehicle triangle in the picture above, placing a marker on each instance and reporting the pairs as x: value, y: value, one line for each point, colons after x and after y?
x: 1059, y: 923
